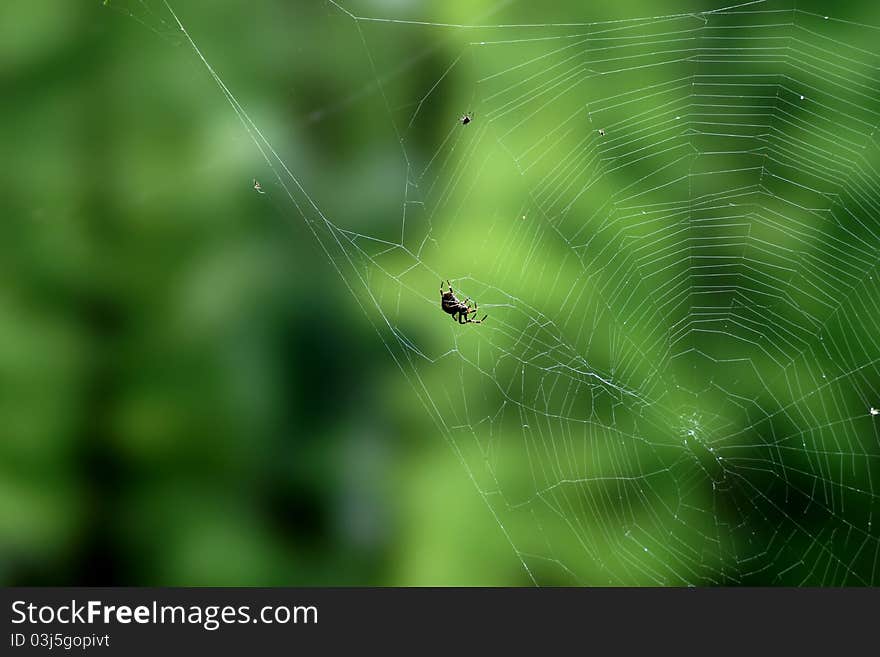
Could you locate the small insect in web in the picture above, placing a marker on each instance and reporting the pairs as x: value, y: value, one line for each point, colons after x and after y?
x: 466, y: 118
x: 460, y: 309
x: 601, y: 132
x: 874, y: 411
x: 258, y: 187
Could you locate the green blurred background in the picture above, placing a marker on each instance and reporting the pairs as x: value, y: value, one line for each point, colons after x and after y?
x: 190, y: 392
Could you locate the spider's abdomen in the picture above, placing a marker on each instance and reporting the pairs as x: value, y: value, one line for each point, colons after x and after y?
x: 450, y: 305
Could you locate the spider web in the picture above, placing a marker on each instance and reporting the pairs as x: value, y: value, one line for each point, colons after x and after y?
x: 672, y: 223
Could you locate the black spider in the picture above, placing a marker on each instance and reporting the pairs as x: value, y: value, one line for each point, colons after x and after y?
x: 466, y: 118
x: 450, y: 304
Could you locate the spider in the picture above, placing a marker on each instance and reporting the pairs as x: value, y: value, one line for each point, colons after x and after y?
x: 450, y: 304
x: 466, y: 118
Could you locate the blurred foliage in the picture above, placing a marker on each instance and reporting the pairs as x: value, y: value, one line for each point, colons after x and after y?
x: 190, y: 395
